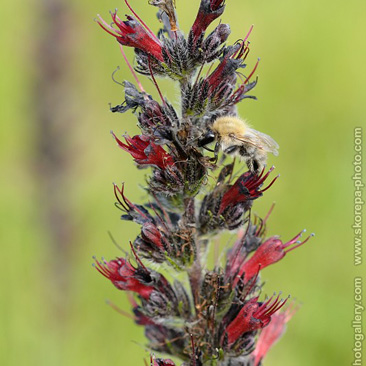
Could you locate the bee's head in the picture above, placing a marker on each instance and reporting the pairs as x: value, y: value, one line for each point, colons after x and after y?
x: 206, y: 139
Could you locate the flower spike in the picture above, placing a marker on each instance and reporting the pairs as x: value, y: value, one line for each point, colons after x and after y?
x: 215, y: 316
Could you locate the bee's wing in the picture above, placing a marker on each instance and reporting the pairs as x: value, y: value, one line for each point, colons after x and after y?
x: 260, y: 140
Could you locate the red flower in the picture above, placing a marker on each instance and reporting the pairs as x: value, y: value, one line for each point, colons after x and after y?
x: 248, y: 240
x: 209, y: 10
x: 254, y: 315
x: 131, y: 33
x: 271, y: 334
x: 126, y: 277
x: 246, y: 188
x: 223, y: 71
x: 271, y: 251
x: 145, y: 152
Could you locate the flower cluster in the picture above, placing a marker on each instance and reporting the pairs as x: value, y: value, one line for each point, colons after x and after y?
x: 218, y: 315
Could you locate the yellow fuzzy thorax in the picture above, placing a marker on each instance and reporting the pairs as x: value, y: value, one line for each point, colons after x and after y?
x: 228, y: 125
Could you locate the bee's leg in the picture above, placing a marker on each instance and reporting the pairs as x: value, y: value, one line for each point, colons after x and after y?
x: 255, y: 166
x: 245, y: 155
x: 208, y: 149
x: 232, y: 149
x: 250, y: 165
x: 259, y: 163
x: 216, y: 152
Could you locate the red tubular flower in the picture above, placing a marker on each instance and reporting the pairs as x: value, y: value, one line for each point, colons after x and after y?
x: 271, y: 334
x: 226, y: 70
x: 219, y: 74
x: 131, y: 33
x: 248, y: 240
x: 145, y: 152
x: 271, y: 251
x: 125, y: 277
x: 209, y: 10
x: 246, y: 188
x: 254, y: 315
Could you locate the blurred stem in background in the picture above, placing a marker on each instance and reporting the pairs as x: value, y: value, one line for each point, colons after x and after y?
x: 54, y: 121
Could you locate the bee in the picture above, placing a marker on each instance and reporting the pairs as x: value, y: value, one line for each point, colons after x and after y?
x: 235, y: 137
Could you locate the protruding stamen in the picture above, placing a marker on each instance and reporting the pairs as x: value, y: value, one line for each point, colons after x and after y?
x: 270, y: 184
x: 137, y: 258
x: 131, y: 69
x: 269, y: 213
x: 248, y: 34
x: 299, y: 243
x: 253, y: 71
x: 119, y: 310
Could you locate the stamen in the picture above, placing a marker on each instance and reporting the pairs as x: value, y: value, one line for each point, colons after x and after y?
x: 116, y: 189
x: 138, y: 259
x: 117, y: 82
x: 262, y: 179
x: 131, y: 69
x: 248, y: 34
x: 251, y: 74
x: 119, y: 310
x: 275, y: 178
x: 294, y: 239
x: 154, y: 81
x: 299, y: 243
x: 269, y: 212
x: 104, y: 24
x: 129, y: 204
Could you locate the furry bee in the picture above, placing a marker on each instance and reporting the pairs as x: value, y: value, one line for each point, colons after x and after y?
x: 235, y: 137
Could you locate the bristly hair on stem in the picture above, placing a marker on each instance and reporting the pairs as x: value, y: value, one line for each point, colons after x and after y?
x: 215, y: 315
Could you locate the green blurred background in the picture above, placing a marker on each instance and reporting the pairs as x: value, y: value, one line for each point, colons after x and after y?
x: 58, y: 162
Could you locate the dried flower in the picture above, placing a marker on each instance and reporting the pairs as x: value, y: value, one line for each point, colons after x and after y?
x: 216, y: 315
